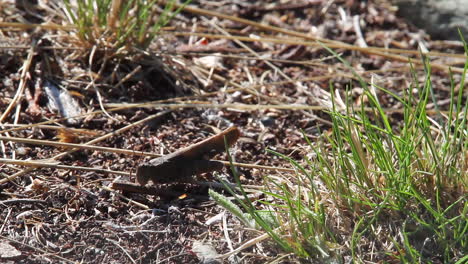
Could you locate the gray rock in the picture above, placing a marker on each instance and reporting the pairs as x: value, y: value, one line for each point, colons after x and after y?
x: 439, y: 18
x: 8, y: 252
x: 205, y: 252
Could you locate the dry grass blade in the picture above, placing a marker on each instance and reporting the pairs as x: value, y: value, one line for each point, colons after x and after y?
x: 67, y: 129
x: 249, y: 107
x: 22, y: 84
x: 42, y: 164
x: 330, y: 43
x: 34, y: 26
x: 121, y: 107
x: 271, y: 65
x: 369, y: 50
x: 77, y: 146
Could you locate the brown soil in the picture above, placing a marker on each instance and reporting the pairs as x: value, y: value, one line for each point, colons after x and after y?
x: 55, y: 215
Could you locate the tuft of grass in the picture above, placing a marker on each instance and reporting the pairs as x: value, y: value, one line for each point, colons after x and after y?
x: 375, y: 189
x: 116, y: 23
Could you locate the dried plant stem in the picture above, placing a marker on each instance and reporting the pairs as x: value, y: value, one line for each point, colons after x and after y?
x: 247, y: 107
x: 330, y: 43
x: 68, y: 129
x: 25, y: 26
x: 240, y: 43
x: 22, y: 84
x: 77, y: 146
x: 42, y: 164
x: 122, y: 107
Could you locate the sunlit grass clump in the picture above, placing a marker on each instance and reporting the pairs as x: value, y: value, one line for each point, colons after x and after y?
x: 377, y: 189
x: 117, y: 23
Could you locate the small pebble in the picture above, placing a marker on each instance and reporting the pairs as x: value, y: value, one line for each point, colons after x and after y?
x: 22, y: 151
x: 268, y: 121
